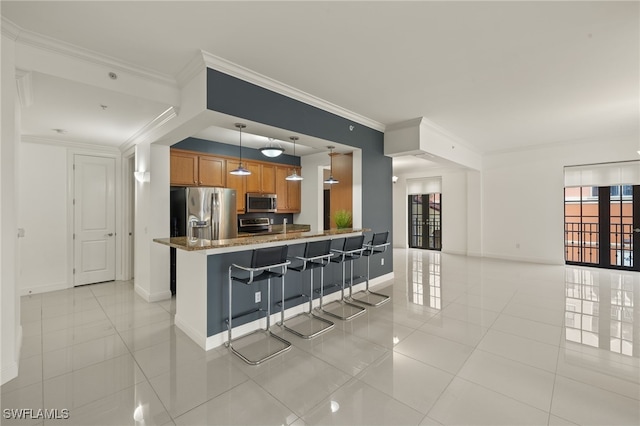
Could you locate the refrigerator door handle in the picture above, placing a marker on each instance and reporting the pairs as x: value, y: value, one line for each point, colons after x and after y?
x: 215, y: 213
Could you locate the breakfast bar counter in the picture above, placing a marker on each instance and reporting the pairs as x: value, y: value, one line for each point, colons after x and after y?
x: 202, y: 280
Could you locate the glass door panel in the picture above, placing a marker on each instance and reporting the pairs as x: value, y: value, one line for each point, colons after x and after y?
x: 425, y: 221
x: 600, y: 226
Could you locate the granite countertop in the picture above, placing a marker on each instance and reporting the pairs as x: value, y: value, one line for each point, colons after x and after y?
x: 196, y: 244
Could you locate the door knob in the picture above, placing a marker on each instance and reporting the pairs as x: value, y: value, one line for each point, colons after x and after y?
x: 110, y: 234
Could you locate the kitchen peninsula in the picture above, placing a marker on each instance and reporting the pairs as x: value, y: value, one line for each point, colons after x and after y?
x: 202, y: 280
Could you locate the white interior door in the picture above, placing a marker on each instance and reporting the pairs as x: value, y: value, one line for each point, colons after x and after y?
x: 94, y: 219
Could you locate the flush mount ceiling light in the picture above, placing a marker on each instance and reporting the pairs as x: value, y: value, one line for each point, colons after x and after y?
x: 273, y: 149
x: 294, y: 175
x: 240, y: 171
x: 331, y: 180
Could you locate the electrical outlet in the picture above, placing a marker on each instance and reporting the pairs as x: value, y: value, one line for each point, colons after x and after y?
x: 258, y: 296
x: 382, y: 261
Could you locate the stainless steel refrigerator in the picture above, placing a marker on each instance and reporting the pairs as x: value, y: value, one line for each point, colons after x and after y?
x: 202, y: 212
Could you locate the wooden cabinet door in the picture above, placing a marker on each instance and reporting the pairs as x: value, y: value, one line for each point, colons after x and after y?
x: 282, y: 188
x: 238, y: 183
x: 212, y: 171
x: 255, y: 178
x: 183, y: 169
x: 268, y: 179
x: 293, y: 195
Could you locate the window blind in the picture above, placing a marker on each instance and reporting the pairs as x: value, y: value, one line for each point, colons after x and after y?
x: 604, y: 174
x: 430, y: 185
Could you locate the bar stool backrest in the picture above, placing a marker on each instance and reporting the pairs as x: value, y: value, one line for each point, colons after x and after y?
x: 353, y: 243
x: 269, y: 256
x: 379, y: 238
x: 317, y: 248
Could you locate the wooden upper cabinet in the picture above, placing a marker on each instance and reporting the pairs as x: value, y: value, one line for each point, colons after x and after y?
x: 294, y: 193
x: 268, y: 179
x: 212, y: 171
x: 239, y: 183
x: 282, y: 188
x: 254, y: 179
x: 193, y: 169
x: 184, y: 168
x: 288, y: 192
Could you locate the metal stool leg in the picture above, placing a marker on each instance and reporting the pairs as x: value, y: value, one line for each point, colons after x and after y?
x: 307, y: 325
x: 260, y: 345
x: 342, y: 309
x: 366, y: 296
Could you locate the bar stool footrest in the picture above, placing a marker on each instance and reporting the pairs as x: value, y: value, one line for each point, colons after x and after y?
x: 287, y: 301
x: 370, y: 298
x: 307, y: 326
x: 258, y: 346
x: 343, y: 310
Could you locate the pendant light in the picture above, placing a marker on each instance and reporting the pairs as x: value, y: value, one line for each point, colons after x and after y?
x: 273, y: 149
x: 240, y: 171
x: 331, y: 179
x: 294, y: 175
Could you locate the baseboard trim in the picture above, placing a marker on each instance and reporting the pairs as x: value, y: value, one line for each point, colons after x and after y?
x: 27, y: 290
x: 149, y: 297
x: 10, y: 371
x: 141, y: 292
x: 157, y: 297
x: 196, y: 336
x: 541, y: 261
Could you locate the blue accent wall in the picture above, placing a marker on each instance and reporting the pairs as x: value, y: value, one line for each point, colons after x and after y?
x: 218, y: 148
x: 236, y: 97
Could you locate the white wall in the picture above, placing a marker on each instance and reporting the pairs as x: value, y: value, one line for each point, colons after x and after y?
x: 522, y: 197
x: 10, y: 328
x: 312, y: 191
x: 455, y: 208
x: 42, y: 213
x: 152, y: 221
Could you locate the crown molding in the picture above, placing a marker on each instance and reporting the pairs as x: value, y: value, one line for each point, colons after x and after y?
x: 39, y: 41
x: 195, y: 66
x: 24, y: 85
x: 9, y: 29
x: 69, y: 144
x: 142, y: 134
x: 235, y: 70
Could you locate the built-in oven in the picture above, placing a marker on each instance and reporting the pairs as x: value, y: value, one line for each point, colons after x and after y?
x: 261, y: 203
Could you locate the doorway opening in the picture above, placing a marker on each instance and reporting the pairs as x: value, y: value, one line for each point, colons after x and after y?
x: 425, y: 221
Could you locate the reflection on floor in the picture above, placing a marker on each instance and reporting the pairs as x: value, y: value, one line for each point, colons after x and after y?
x: 463, y: 341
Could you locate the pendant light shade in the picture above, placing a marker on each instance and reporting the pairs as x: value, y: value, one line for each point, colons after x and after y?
x: 331, y: 180
x: 240, y: 171
x: 294, y: 175
x: 273, y: 149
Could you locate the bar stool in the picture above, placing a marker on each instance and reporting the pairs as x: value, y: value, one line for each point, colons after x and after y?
x: 316, y: 255
x: 351, y: 250
x: 258, y: 349
x: 377, y: 245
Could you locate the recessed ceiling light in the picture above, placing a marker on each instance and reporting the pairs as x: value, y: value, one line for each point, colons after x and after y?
x: 113, y: 76
x: 60, y: 131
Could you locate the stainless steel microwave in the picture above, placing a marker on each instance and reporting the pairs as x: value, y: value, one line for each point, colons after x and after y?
x: 261, y: 203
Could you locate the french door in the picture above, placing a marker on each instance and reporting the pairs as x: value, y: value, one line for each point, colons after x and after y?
x: 601, y: 224
x: 425, y: 221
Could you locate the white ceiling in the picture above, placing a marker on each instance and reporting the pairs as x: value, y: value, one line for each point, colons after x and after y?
x: 497, y: 75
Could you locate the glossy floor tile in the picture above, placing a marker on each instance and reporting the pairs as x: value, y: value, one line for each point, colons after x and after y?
x: 463, y: 341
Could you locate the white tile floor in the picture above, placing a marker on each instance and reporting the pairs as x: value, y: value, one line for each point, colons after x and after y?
x: 463, y: 341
